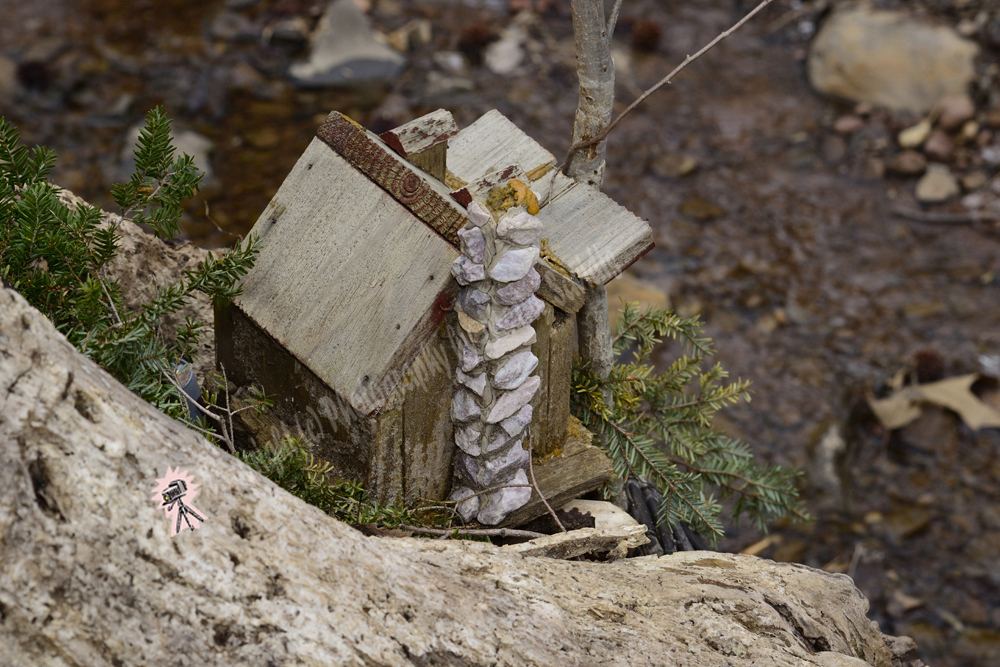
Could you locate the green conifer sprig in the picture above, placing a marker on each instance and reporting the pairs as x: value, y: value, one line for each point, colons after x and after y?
x: 659, y: 427
x: 57, y: 257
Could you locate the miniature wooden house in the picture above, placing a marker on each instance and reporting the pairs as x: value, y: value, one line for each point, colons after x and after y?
x: 347, y: 318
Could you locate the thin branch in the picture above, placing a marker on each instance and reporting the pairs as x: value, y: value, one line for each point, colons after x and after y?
x: 488, y: 532
x: 531, y: 470
x: 603, y: 134
x: 613, y: 20
x: 937, y: 218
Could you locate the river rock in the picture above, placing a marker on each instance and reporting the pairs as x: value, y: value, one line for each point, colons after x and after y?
x: 506, y: 500
x: 518, y: 291
x: 517, y: 369
x: 514, y: 264
x: 467, y: 271
x: 907, y: 163
x: 916, y: 135
x: 890, y: 59
x: 8, y: 75
x: 478, y: 215
x: 523, y: 313
x: 471, y: 326
x: 512, y: 401
x: 467, y: 439
x: 937, y: 185
x: 520, y: 229
x: 473, y: 243
x: 476, y: 383
x: 470, y: 358
x: 473, y: 302
x: 939, y: 146
x: 504, y: 465
x: 955, y: 111
x: 468, y: 503
x: 516, y: 423
x: 344, y: 51
x: 515, y: 339
x: 464, y: 406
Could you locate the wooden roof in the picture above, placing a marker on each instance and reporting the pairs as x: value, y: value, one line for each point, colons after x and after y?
x: 587, y: 231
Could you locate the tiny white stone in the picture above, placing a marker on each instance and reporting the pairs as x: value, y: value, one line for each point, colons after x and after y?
x: 478, y: 215
x: 500, y: 441
x: 503, y: 465
x: 470, y: 358
x: 464, y: 407
x: 467, y: 439
x: 516, y: 423
x: 500, y: 346
x: 523, y: 313
x: 506, y: 500
x: 521, y: 228
x: 520, y: 290
x: 473, y: 302
x: 512, y: 401
x: 468, y: 507
x: 473, y: 243
x: 467, y: 469
x: 513, y: 373
x: 466, y: 271
x: 476, y: 384
x: 514, y: 264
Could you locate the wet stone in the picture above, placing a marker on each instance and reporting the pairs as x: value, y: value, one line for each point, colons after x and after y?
x: 467, y: 439
x: 514, y: 264
x: 470, y: 358
x: 520, y: 290
x: 515, y: 339
x: 517, y: 423
x: 466, y: 508
x: 523, y: 313
x: 513, y: 401
x: 466, y: 271
x: 478, y: 215
x: 506, y: 500
x: 473, y: 302
x: 475, y: 383
x: 473, y: 243
x: 464, y: 407
x: 520, y: 229
x: 517, y: 369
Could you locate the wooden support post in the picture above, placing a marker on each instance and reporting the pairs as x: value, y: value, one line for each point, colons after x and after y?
x: 424, y: 141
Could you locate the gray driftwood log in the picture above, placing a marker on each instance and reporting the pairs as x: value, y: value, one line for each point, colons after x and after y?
x: 89, y: 574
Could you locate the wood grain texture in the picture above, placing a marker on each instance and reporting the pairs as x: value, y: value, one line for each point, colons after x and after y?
x: 346, y: 280
x: 480, y: 188
x: 562, y: 343
x: 580, y: 467
x: 587, y: 230
x: 427, y: 198
x: 562, y: 292
x: 422, y: 133
x: 434, y: 161
x: 540, y: 401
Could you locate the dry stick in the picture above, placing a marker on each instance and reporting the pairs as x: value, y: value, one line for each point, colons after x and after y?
x: 488, y: 532
x: 937, y: 218
x: 206, y: 411
x: 602, y: 135
x: 531, y: 470
x: 613, y: 21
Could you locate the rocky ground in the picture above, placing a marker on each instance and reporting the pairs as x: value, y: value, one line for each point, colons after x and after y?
x: 826, y: 242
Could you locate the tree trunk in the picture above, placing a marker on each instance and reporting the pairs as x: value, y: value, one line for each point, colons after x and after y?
x: 596, y: 71
x: 90, y: 575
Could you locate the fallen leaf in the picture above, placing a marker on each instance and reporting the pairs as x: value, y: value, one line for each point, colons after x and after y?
x: 903, y: 407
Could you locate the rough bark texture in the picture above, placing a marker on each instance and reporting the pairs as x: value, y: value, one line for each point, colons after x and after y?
x: 596, y: 71
x: 90, y: 576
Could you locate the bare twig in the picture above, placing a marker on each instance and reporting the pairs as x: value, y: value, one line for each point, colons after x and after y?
x: 111, y: 302
x: 531, y: 471
x: 613, y: 20
x: 938, y: 218
x: 487, y: 532
x: 603, y: 134
x: 208, y: 413
x: 220, y: 229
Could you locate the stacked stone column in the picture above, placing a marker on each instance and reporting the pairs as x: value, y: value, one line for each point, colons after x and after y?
x: 496, y: 306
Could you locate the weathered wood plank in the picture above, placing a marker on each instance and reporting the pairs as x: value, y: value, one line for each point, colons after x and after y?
x: 422, y: 133
x: 492, y: 143
x: 593, y: 235
x: 434, y: 161
x: 559, y: 290
x: 427, y: 198
x: 579, y: 468
x: 540, y: 401
x: 344, y: 280
x: 562, y: 340
x: 587, y: 230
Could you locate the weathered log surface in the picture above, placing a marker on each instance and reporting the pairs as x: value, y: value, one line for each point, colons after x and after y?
x: 90, y: 576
